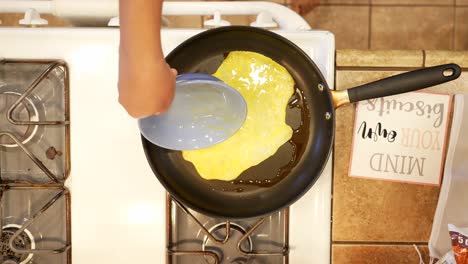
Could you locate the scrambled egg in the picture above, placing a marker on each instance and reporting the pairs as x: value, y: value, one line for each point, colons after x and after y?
x: 266, y: 87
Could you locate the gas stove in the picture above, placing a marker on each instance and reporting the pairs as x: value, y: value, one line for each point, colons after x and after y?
x: 73, y: 174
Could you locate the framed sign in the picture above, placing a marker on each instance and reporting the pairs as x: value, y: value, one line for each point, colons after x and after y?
x: 401, y: 138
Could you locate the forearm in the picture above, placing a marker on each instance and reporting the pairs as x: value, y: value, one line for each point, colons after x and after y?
x: 140, y: 22
x: 146, y: 82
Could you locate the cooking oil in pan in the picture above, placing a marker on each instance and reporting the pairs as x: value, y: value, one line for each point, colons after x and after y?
x: 277, y: 167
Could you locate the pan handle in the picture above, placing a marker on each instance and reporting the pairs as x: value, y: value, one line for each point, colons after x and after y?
x: 405, y: 82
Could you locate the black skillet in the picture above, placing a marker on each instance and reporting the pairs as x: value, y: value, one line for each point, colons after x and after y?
x: 280, y: 180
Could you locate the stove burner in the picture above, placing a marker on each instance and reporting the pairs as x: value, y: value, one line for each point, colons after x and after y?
x: 24, y: 241
x: 227, y: 251
x: 26, y: 110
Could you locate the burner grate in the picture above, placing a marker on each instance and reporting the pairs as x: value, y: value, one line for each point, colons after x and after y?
x: 17, y: 242
x: 34, y: 162
x: 22, y: 120
x: 224, y: 242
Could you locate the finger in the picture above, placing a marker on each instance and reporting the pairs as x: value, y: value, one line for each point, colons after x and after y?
x: 174, y: 71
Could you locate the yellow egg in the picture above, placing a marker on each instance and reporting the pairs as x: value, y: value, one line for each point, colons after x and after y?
x: 266, y: 87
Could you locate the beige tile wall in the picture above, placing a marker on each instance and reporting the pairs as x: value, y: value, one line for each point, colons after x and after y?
x: 345, y: 2
x: 349, y: 23
x: 402, y: 27
x: 461, y: 27
x: 394, y: 24
x: 412, y: 2
x: 381, y: 254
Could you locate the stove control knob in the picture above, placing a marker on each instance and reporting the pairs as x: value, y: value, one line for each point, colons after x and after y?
x: 114, y: 22
x: 264, y: 20
x: 216, y: 21
x: 32, y: 18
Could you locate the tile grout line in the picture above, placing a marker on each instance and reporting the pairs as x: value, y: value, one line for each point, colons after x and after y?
x: 412, y: 5
x: 377, y: 68
x: 343, y: 4
x: 383, y: 68
x: 424, y: 58
x: 387, y: 5
x: 379, y: 243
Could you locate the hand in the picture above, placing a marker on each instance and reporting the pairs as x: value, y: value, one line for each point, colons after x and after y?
x: 145, y: 90
x: 303, y: 6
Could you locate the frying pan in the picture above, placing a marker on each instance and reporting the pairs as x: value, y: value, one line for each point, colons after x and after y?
x: 283, y: 178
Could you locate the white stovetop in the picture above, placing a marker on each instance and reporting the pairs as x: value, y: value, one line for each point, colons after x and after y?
x: 118, y: 206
